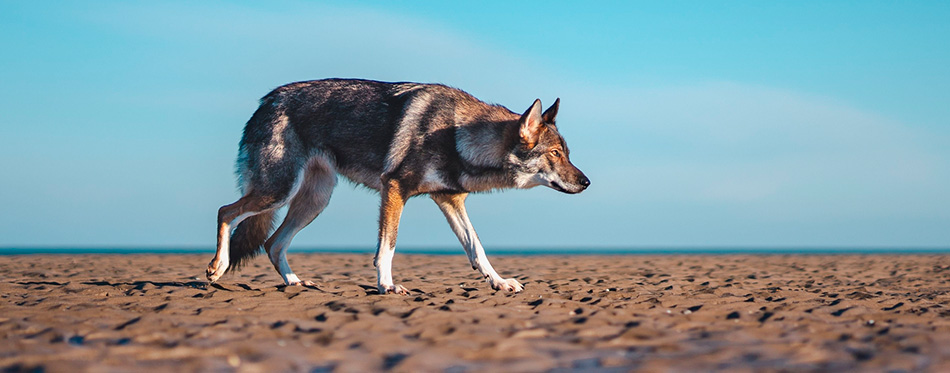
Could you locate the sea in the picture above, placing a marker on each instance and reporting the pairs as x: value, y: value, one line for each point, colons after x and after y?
x: 555, y: 251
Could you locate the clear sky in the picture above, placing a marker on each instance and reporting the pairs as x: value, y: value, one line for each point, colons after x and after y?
x: 699, y: 123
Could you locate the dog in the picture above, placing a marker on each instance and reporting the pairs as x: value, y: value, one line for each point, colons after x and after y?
x: 400, y: 139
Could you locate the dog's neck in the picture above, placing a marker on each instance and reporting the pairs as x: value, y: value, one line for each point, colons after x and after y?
x: 483, y: 147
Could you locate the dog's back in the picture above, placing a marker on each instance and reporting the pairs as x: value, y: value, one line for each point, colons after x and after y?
x: 354, y: 123
x: 349, y: 121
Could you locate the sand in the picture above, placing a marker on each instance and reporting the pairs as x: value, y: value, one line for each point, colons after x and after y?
x: 584, y: 313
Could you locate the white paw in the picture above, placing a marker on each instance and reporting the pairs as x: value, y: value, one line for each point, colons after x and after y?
x: 215, y: 272
x: 508, y: 284
x: 301, y: 283
x: 392, y: 289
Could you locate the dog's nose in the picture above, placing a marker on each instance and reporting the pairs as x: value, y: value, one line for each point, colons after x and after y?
x: 585, y: 181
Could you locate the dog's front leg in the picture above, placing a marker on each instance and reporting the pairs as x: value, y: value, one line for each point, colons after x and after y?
x: 453, y: 206
x: 390, y: 210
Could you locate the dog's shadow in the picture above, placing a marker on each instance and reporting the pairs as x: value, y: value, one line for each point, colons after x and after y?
x: 140, y: 285
x: 201, y: 285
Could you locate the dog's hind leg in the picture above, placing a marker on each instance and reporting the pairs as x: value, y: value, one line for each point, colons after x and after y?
x: 453, y: 206
x: 314, y: 195
x: 230, y: 216
x: 390, y: 210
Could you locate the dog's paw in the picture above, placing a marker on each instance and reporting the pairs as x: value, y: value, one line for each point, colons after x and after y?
x: 213, y: 273
x: 301, y: 283
x: 392, y: 289
x: 508, y: 284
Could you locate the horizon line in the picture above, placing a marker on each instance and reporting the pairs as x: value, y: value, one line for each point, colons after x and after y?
x: 505, y: 251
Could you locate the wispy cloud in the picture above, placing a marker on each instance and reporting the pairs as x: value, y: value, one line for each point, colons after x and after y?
x: 732, y: 136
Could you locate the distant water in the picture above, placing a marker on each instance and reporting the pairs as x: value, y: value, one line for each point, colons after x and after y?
x: 497, y: 251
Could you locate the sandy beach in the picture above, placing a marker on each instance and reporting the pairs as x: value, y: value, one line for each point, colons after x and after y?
x: 584, y: 313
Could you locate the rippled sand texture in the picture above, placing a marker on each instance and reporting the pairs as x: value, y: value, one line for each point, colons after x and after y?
x: 678, y: 313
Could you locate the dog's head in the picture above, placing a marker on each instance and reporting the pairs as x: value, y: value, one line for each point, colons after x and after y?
x: 541, y: 155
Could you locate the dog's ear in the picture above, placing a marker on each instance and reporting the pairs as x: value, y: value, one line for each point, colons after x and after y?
x: 551, y: 112
x: 531, y: 123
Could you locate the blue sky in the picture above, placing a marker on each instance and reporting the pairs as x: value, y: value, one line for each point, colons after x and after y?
x: 699, y: 123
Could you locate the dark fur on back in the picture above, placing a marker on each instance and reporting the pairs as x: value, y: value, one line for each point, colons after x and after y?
x: 362, y: 124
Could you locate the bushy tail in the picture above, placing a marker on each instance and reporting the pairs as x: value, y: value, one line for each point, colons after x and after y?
x: 248, y: 239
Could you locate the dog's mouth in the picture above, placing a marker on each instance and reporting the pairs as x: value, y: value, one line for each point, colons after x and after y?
x: 560, y: 188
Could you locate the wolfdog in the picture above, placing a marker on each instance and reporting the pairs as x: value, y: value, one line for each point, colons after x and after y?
x: 400, y: 139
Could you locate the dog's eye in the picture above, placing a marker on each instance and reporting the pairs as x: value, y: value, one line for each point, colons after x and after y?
x: 556, y: 153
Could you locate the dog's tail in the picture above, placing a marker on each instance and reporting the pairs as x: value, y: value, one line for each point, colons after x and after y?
x: 248, y: 239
